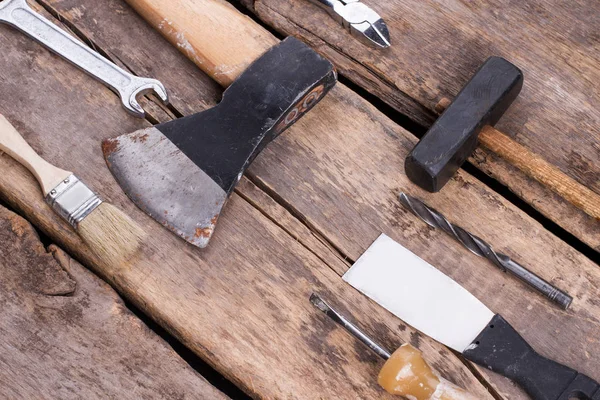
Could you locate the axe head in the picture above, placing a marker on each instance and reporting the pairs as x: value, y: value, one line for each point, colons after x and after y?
x: 182, y: 172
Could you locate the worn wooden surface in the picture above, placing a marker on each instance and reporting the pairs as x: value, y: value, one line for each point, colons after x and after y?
x: 314, y: 198
x: 66, y: 334
x: 242, y: 304
x: 437, y: 46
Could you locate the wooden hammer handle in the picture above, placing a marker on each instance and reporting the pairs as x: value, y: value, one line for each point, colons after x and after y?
x: 536, y: 167
x: 212, y: 33
x: 541, y: 170
x: 13, y: 144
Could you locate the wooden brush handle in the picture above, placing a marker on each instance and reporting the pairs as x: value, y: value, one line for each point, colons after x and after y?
x: 212, y: 33
x: 13, y: 144
x: 541, y: 170
x: 407, y: 374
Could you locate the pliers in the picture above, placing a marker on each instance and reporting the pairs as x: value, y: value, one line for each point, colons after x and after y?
x: 359, y: 19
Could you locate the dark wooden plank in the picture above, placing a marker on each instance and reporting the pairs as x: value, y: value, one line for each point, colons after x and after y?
x: 242, y: 304
x: 66, y: 334
x: 336, y: 170
x: 438, y: 45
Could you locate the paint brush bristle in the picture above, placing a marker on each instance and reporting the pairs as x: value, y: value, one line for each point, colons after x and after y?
x: 111, y: 234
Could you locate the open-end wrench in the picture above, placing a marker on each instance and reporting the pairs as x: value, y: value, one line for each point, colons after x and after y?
x: 18, y: 14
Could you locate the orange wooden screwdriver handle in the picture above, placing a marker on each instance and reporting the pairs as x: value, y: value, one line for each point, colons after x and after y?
x: 212, y: 33
x: 407, y: 374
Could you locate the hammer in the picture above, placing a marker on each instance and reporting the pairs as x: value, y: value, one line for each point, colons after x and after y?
x: 182, y: 172
x: 471, y: 116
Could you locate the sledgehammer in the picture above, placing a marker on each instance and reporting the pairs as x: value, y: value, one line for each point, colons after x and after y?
x: 469, y: 119
x: 182, y: 172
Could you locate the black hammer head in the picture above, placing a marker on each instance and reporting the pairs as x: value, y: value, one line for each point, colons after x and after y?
x: 453, y: 137
x: 182, y: 172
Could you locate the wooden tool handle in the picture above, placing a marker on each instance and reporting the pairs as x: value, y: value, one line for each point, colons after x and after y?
x: 407, y: 374
x: 212, y: 33
x: 536, y: 167
x: 13, y: 144
x: 541, y: 170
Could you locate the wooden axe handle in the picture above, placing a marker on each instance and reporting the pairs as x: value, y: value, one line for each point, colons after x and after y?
x: 536, y: 167
x: 219, y: 39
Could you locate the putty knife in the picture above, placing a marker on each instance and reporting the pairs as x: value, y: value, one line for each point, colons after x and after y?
x: 434, y: 304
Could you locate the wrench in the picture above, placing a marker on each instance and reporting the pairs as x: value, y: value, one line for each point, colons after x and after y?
x: 18, y: 14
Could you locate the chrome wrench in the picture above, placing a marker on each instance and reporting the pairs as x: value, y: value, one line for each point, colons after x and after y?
x: 18, y: 14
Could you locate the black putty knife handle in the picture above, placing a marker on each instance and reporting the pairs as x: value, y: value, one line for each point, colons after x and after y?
x: 501, y: 349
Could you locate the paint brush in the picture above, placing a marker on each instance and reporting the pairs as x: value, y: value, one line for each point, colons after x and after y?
x: 107, y: 231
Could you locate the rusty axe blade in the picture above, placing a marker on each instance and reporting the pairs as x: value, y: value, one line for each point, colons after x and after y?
x: 182, y: 172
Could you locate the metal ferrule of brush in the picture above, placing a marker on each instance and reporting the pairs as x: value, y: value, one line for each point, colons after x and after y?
x: 73, y: 200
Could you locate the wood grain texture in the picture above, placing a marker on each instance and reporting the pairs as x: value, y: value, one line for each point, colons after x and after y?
x: 13, y: 144
x: 284, y: 218
x: 66, y: 334
x: 213, y: 45
x: 346, y: 194
x: 367, y: 179
x: 542, y: 171
x: 438, y: 45
x: 242, y: 304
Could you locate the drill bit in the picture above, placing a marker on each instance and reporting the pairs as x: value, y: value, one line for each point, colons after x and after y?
x: 357, y: 333
x: 482, y: 249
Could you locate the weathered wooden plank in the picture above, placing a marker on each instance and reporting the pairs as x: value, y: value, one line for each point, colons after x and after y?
x: 66, y: 334
x: 334, y: 169
x: 242, y: 304
x: 299, y: 231
x: 144, y: 53
x: 438, y: 45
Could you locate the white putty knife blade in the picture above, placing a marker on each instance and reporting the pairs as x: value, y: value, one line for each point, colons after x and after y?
x: 419, y: 294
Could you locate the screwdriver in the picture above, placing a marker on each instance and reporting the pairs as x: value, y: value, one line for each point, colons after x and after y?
x: 405, y: 372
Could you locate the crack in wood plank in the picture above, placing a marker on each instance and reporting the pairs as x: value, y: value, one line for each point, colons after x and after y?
x: 286, y: 167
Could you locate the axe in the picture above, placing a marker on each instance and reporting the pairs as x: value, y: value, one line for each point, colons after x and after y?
x: 182, y: 172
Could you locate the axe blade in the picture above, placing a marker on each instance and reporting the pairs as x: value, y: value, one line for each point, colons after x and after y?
x: 165, y: 184
x: 182, y: 172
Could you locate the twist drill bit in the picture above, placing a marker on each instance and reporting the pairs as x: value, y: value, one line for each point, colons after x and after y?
x: 481, y: 248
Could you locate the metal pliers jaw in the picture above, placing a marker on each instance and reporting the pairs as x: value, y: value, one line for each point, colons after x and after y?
x: 362, y: 22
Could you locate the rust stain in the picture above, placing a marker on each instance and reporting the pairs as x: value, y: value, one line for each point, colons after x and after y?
x: 203, y: 232
x: 139, y: 137
x: 206, y: 232
x: 109, y: 146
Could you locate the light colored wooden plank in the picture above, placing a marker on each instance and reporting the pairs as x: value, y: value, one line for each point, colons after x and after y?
x: 438, y: 45
x: 295, y: 228
x: 66, y: 334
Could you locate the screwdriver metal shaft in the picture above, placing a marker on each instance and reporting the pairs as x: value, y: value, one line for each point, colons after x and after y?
x: 337, y: 317
x: 481, y: 248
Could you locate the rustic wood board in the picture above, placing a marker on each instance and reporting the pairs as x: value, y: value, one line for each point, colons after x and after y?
x: 343, y: 198
x: 66, y: 334
x: 242, y: 304
x: 438, y: 45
